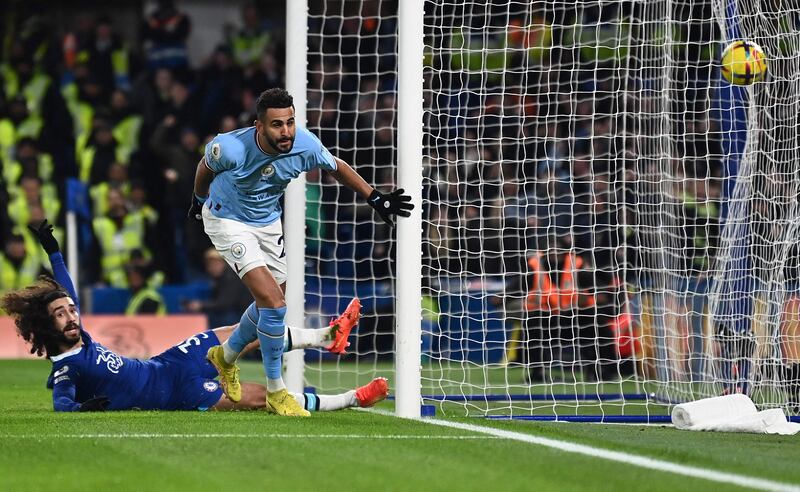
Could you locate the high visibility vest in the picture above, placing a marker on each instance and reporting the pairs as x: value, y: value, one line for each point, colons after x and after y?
x: 12, y: 277
x: 34, y: 92
x: 10, y: 80
x: 99, y: 195
x: 147, y: 293
x: 542, y: 296
x: 147, y: 213
x: 32, y: 244
x: 82, y: 114
x: 117, y: 244
x: 8, y: 137
x: 477, y: 54
x: 86, y: 161
x: 126, y: 133
x: 605, y: 44
x: 568, y: 291
x: 627, y: 340
x: 12, y: 170
x: 18, y: 207
x: 247, y: 49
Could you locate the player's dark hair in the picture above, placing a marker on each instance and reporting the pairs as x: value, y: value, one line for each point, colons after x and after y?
x: 28, y: 307
x: 273, y: 98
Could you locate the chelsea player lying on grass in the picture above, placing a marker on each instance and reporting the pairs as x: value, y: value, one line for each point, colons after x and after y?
x: 87, y: 376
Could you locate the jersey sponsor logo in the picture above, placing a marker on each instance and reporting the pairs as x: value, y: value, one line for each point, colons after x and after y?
x: 216, y: 151
x: 61, y: 371
x: 237, y: 268
x: 112, y: 360
x: 238, y: 250
x: 61, y: 378
x: 210, y: 386
x: 268, y: 171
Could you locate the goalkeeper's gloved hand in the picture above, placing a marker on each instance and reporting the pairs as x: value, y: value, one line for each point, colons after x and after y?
x: 96, y: 404
x: 394, y: 203
x: 196, y: 210
x: 44, y: 233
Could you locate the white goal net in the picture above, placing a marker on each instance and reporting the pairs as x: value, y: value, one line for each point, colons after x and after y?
x: 608, y: 226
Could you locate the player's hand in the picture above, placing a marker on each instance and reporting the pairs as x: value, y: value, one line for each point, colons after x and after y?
x: 96, y: 404
x: 394, y: 203
x: 196, y: 210
x: 44, y: 233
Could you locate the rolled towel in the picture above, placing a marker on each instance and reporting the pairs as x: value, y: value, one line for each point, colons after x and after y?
x: 731, y: 413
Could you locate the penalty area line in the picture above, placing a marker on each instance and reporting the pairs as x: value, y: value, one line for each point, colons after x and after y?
x: 242, y: 436
x: 606, y: 454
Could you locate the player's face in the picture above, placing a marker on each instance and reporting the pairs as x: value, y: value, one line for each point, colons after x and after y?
x: 278, y: 129
x: 65, y: 319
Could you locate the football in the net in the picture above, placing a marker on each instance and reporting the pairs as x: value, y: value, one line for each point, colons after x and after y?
x: 744, y: 63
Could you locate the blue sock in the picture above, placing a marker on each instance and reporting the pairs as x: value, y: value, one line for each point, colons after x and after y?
x: 311, y: 402
x: 246, y: 331
x: 270, y: 333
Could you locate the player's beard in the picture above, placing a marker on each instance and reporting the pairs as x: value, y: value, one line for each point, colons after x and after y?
x: 65, y: 339
x: 274, y: 143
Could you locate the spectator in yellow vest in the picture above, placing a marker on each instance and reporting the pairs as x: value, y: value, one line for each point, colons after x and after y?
x: 117, y: 178
x: 32, y: 192
x: 18, y: 268
x: 145, y: 299
x: 118, y: 234
x: 251, y: 41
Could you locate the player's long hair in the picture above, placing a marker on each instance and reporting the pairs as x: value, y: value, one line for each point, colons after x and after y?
x: 28, y: 307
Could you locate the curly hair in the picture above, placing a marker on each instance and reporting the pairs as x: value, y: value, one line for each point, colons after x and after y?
x: 28, y: 307
x: 273, y: 98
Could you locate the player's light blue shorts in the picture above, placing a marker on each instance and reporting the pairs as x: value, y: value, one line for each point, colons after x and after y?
x: 193, y: 386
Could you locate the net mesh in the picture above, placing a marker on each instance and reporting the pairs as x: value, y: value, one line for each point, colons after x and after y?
x: 607, y: 224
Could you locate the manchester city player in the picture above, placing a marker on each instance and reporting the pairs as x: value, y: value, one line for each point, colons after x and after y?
x: 87, y: 376
x: 238, y: 185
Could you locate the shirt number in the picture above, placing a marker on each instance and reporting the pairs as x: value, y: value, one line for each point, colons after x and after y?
x: 195, y: 340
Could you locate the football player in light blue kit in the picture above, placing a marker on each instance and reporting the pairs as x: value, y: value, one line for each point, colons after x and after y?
x: 237, y: 191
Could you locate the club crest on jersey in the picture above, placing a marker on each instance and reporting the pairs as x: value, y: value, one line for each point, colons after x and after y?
x: 238, y: 250
x: 268, y: 171
x: 216, y: 151
x: 210, y: 386
x: 112, y: 360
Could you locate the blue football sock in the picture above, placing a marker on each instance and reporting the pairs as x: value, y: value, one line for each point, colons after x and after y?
x: 270, y: 333
x: 245, y: 333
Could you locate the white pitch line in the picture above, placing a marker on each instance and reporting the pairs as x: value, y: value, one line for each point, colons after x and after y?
x: 239, y: 436
x: 606, y: 454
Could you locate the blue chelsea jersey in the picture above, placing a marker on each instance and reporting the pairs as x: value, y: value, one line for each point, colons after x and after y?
x: 249, y: 182
x: 92, y: 370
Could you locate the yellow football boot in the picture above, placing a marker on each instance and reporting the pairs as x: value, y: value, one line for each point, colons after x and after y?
x: 282, y: 403
x: 228, y: 373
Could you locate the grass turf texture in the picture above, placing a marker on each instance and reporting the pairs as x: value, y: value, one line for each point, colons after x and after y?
x: 349, y: 450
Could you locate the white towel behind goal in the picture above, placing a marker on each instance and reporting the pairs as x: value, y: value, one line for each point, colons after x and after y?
x: 731, y: 413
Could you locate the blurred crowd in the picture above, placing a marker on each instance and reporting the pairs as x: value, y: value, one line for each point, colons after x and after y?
x: 128, y: 120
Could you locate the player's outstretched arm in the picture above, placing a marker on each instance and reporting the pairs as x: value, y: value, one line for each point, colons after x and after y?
x: 387, y: 205
x: 44, y: 233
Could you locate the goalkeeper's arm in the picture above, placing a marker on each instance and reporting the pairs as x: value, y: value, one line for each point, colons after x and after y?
x: 387, y: 205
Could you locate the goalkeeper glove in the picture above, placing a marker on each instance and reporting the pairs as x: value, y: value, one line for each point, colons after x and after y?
x: 394, y: 203
x: 44, y: 233
x: 97, y: 404
x: 196, y: 210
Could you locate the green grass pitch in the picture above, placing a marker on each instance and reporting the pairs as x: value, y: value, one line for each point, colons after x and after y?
x: 348, y: 450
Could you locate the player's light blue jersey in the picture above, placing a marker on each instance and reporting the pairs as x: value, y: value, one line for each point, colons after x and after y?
x: 249, y: 182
